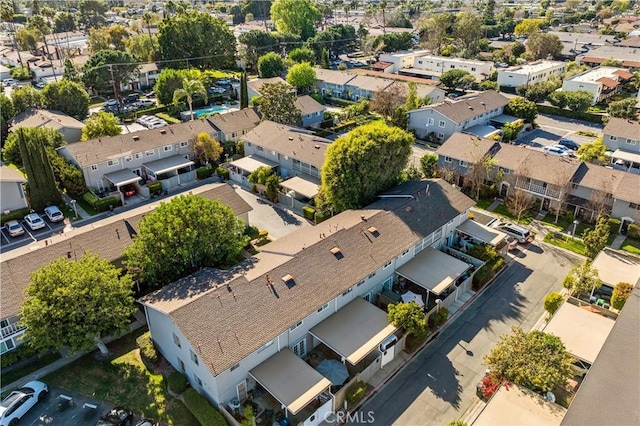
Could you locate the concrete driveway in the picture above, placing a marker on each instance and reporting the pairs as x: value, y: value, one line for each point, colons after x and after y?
x: 438, y: 385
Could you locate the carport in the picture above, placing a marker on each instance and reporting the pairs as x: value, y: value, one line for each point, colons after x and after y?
x: 625, y: 159
x: 244, y: 166
x: 290, y: 380
x: 167, y: 166
x: 354, y: 331
x: 481, y: 232
x: 306, y: 187
x: 121, y: 178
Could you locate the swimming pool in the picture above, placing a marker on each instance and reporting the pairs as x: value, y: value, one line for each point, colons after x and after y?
x: 210, y: 109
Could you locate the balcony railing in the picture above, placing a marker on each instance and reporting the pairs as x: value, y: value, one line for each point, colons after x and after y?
x: 538, y: 189
x: 11, y: 329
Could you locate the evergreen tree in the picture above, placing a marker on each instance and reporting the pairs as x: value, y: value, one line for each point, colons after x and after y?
x: 244, y: 94
x: 324, y: 60
x: 42, y: 183
x: 70, y: 72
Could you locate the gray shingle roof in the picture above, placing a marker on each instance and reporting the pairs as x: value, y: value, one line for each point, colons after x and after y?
x: 256, y: 84
x: 622, y: 128
x: 339, y: 78
x: 598, y: 177
x: 467, y: 107
x: 372, y: 84
x: 629, y: 188
x: 465, y: 147
x: 7, y: 174
x: 307, y: 105
x: 237, y: 121
x: 45, y: 118
x: 229, y: 317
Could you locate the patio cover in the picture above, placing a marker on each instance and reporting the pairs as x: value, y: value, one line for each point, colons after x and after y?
x: 250, y: 163
x: 290, y: 380
x: 307, y: 186
x: 122, y: 177
x: 582, y: 332
x: 355, y: 330
x: 433, y: 270
x: 481, y: 232
x: 482, y: 130
x: 168, y: 164
x: 614, y: 268
x: 626, y: 155
x: 504, y: 119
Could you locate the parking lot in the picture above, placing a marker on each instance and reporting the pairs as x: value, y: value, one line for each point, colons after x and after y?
x: 8, y: 242
x: 552, y: 129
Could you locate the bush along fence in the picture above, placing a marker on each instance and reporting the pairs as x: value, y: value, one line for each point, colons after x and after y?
x: 585, y: 116
x: 101, y: 204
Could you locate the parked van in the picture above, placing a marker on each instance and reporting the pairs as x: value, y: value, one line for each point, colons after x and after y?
x: 517, y: 232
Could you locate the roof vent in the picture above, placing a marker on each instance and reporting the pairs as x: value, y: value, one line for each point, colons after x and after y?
x: 482, y: 103
x: 289, y: 281
x: 290, y: 138
x: 374, y: 231
x: 316, y: 146
x: 163, y: 131
x: 408, y: 209
x: 136, y: 138
x: 470, y: 107
x: 337, y: 253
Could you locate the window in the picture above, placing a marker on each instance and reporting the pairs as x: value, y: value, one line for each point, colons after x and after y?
x: 505, y: 171
x: 447, y: 159
x: 194, y: 357
x: 235, y: 367
x: 631, y: 141
x: 634, y: 206
x: 265, y: 346
x: 112, y: 163
x: 440, y: 135
x: 463, y: 163
x: 430, y: 122
x: 473, y: 68
x: 367, y: 297
x: 300, y: 348
x: 198, y: 380
x: 176, y: 340
x: 128, y: 158
x: 613, y: 138
x: 347, y: 291
x: 360, y: 283
x: 259, y: 148
x: 248, y: 143
x: 372, y: 275
x: 293, y: 327
x: 181, y: 364
x: 167, y: 148
x: 323, y: 307
x: 404, y: 253
x: 441, y: 123
x: 452, y: 66
x: 184, y: 144
x: 94, y: 167
x: 149, y: 153
x: 387, y: 264
x: 138, y: 155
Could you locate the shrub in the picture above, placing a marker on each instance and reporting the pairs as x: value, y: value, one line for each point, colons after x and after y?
x: 8, y: 358
x: 552, y: 302
x: 321, y: 216
x: 308, y: 212
x: 621, y: 293
x: 21, y: 73
x: 614, y: 226
x: 486, y: 272
x: 155, y: 188
x: 90, y: 198
x: 263, y: 234
x: 22, y: 352
x: 484, y: 252
x: 14, y: 215
x: 222, y: 173
x: 147, y: 348
x: 318, y: 98
x: 438, y: 318
x: 169, y: 119
x: 151, y: 111
x: 592, y: 118
x: 356, y: 392
x: 252, y: 232
x: 204, y: 412
x: 633, y: 231
x: 101, y: 204
x: 177, y: 382
x: 204, y: 172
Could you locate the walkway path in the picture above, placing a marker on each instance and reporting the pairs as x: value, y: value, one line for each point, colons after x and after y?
x: 493, y: 205
x: 617, y: 243
x: 81, y: 212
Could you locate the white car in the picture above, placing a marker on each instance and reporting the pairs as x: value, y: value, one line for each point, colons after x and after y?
x: 218, y: 90
x: 144, y: 118
x: 34, y: 221
x: 157, y: 124
x: 16, y: 405
x: 554, y: 150
x: 111, y: 102
x: 147, y: 102
x: 14, y: 228
x: 9, y: 81
x: 54, y: 214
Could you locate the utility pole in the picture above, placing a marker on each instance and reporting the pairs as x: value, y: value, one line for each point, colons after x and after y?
x: 113, y: 82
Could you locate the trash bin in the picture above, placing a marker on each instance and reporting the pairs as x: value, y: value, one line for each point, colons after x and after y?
x: 285, y: 422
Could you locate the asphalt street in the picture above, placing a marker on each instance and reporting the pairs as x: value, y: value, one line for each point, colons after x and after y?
x: 439, y: 384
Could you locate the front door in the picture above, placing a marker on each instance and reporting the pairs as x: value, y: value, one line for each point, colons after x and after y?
x: 241, y: 390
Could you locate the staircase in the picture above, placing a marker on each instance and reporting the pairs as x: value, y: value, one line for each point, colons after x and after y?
x: 464, y: 297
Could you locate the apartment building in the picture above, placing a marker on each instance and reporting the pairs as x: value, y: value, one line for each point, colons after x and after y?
x: 601, y: 82
x: 534, y: 72
x: 69, y: 127
x: 398, y: 60
x: 432, y: 67
x: 628, y: 56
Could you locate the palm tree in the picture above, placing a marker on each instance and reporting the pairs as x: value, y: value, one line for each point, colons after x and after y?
x: 148, y: 18
x: 190, y: 88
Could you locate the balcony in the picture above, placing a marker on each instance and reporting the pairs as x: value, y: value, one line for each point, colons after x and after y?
x: 538, y: 189
x: 12, y: 329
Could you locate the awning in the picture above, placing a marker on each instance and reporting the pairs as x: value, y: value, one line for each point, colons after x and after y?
x: 626, y: 156
x: 433, y: 270
x: 610, y: 83
x: 482, y: 130
x: 355, y: 330
x: 481, y: 232
x: 290, y: 380
x: 122, y: 177
x: 250, y: 163
x: 504, y: 119
x: 307, y: 186
x: 582, y: 332
x: 168, y: 164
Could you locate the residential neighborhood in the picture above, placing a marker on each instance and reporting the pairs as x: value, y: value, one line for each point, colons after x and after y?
x: 314, y: 212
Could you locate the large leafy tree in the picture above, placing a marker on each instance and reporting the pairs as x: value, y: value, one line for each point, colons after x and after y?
x: 64, y: 21
x: 303, y: 54
x: 142, y: 46
x: 189, y: 89
x: 429, y: 165
x: 359, y: 165
x: 596, y: 239
x: 7, y: 112
x: 169, y: 80
x: 543, y: 45
x: 410, y: 317
x: 93, y: 13
x: 592, y: 151
x: 42, y: 184
x: 26, y: 97
x: 67, y: 97
x: 101, y: 124
x: 113, y: 37
x: 434, y: 30
x: 11, y: 148
x: 183, y: 235
x: 199, y: 35
x: 336, y: 39
x: 302, y: 76
x: 71, y: 72
x: 270, y: 65
x: 68, y: 176
x: 625, y: 108
x: 277, y: 103
x: 103, y: 64
x: 297, y: 17
x: 205, y: 148
x: 522, y: 108
x: 582, y: 277
x: 536, y: 360
x: 468, y: 31
x: 255, y: 43
x: 455, y: 78
x: 75, y: 304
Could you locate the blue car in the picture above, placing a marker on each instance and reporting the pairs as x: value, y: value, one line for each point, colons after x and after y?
x: 568, y: 143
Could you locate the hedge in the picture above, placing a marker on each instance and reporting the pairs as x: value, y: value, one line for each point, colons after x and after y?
x: 177, y: 382
x: 633, y: 231
x: 204, y: 172
x: 14, y: 215
x: 486, y: 272
x: 338, y: 101
x: 155, y: 188
x: 101, y: 204
x: 204, y: 412
x: 585, y: 116
x: 22, y: 352
x: 151, y: 111
x: 169, y: 119
x: 308, y: 212
x: 222, y: 173
x: 147, y: 348
x: 321, y: 217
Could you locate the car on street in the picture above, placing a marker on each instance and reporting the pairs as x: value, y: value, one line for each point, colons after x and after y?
x: 111, y: 103
x: 54, y: 214
x: 118, y: 416
x: 148, y: 422
x: 557, y: 150
x: 147, y: 102
x: 128, y: 190
x: 9, y: 81
x: 568, y: 143
x: 14, y: 228
x: 34, y: 221
x: 18, y: 402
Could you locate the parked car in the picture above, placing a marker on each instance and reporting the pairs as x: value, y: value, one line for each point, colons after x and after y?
x: 16, y: 405
x: 14, y: 228
x: 147, y: 422
x: 132, y: 97
x: 157, y: 124
x: 9, y: 81
x: 147, y: 102
x: 34, y: 221
x: 224, y: 81
x: 568, y: 143
x: 143, y: 119
x: 557, y: 150
x: 118, y: 416
x: 128, y: 190
x: 111, y: 103
x: 151, y: 94
x: 216, y: 90
x: 54, y: 214
x: 515, y: 231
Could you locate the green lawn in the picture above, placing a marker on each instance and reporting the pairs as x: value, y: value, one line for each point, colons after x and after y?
x: 483, y: 204
x: 573, y: 244
x: 526, y: 219
x: 96, y: 101
x: 631, y: 245
x: 123, y: 380
x: 550, y: 220
x: 86, y: 206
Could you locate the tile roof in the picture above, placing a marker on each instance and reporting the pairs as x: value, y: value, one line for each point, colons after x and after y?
x: 291, y: 141
x: 232, y: 122
x: 608, y: 82
x: 8, y: 174
x: 307, y: 105
x: 230, y: 316
x: 381, y: 65
x: 468, y: 107
x: 45, y: 118
x: 465, y: 147
x: 624, y: 75
x: 102, y: 149
x: 622, y: 128
x: 107, y: 238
